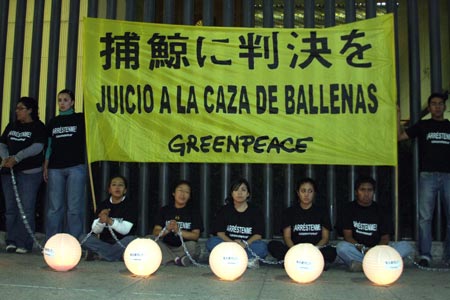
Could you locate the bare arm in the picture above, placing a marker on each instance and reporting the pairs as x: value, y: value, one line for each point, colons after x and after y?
x: 287, y: 237
x: 325, y: 237
x: 348, y: 236
x: 191, y: 235
x: 384, y: 239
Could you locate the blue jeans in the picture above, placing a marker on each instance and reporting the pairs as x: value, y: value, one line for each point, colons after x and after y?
x: 28, y: 187
x: 430, y: 183
x: 107, y: 251
x: 347, y: 252
x: 66, y: 201
x: 258, y: 247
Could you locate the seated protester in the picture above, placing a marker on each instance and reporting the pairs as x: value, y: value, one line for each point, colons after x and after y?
x: 304, y: 222
x: 175, y: 217
x: 365, y: 225
x: 114, y: 225
x: 240, y: 221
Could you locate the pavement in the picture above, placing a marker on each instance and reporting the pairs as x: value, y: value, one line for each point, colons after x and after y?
x: 27, y: 276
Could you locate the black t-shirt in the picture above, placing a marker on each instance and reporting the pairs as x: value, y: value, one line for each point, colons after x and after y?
x: 124, y: 210
x: 18, y: 136
x: 306, y: 224
x: 239, y: 225
x: 67, y: 133
x: 187, y: 218
x: 434, y: 144
x: 367, y: 224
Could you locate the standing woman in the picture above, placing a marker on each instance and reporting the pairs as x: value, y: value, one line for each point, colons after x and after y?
x: 304, y: 222
x: 241, y: 222
x: 21, y: 148
x: 177, y: 217
x: 65, y: 169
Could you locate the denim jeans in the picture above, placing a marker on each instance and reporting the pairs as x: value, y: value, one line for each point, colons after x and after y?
x: 66, y: 201
x: 347, y: 252
x: 27, y: 187
x: 107, y: 251
x: 430, y: 183
x: 258, y: 247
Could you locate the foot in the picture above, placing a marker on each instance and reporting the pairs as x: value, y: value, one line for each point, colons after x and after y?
x: 90, y: 255
x: 11, y: 248
x: 185, y: 261
x: 424, y: 263
x: 355, y: 266
x: 253, y: 263
x: 21, y: 250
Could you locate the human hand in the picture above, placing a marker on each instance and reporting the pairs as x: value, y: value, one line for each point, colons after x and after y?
x: 172, y: 226
x: 104, y: 215
x: 9, y: 162
x: 45, y: 174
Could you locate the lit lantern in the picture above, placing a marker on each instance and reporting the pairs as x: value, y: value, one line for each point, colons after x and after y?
x: 142, y: 257
x: 62, y: 252
x: 382, y: 265
x: 304, y: 263
x: 228, y: 260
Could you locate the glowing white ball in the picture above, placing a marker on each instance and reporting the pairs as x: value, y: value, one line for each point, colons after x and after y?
x: 303, y: 263
x: 62, y: 252
x: 142, y: 257
x: 382, y: 265
x: 228, y: 260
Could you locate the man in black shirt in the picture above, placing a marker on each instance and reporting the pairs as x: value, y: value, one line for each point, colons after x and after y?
x: 434, y: 158
x: 365, y: 225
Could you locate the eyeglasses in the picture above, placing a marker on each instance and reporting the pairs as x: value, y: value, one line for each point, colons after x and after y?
x: 21, y: 107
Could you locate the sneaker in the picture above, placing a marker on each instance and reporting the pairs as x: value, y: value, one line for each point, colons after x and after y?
x: 185, y: 261
x: 11, y: 248
x: 177, y: 261
x: 424, y: 263
x: 21, y: 250
x: 253, y: 263
x: 355, y: 266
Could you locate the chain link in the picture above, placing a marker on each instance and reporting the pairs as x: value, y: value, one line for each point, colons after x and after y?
x: 22, y: 211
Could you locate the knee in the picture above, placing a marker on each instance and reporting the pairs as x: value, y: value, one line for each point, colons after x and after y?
x: 212, y: 242
x: 343, y: 247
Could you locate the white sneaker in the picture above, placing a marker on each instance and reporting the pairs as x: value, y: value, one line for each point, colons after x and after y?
x: 21, y: 250
x: 253, y: 263
x: 11, y: 248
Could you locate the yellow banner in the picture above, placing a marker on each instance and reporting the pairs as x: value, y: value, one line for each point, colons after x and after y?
x: 171, y: 93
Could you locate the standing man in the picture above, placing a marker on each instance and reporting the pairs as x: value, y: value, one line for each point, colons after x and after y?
x: 365, y: 225
x: 434, y: 159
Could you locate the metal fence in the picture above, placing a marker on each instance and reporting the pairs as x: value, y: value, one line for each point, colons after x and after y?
x: 41, y: 50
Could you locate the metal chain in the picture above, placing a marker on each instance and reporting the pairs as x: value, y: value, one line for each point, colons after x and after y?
x: 179, y: 233
x: 247, y: 246
x: 115, y: 236
x: 186, y: 251
x: 22, y: 211
x: 428, y: 268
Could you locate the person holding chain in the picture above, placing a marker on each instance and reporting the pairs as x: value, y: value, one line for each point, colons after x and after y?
x: 21, y: 149
x: 177, y: 218
x: 241, y: 222
x: 114, y: 225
